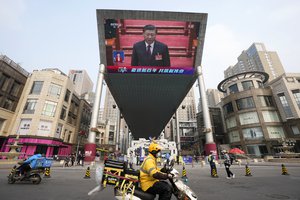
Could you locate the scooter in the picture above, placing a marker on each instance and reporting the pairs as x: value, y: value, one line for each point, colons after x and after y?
x: 127, y: 192
x: 32, y: 175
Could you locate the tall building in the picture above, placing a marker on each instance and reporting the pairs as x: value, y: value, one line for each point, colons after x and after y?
x: 213, y: 97
x: 110, y: 111
x: 257, y: 58
x: 110, y: 115
x: 81, y: 80
x: 187, y: 109
x: 12, y: 81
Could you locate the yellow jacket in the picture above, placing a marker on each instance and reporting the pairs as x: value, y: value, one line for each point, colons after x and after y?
x: 148, y: 168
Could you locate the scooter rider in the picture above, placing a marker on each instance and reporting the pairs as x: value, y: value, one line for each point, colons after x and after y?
x: 30, y: 163
x: 151, y: 176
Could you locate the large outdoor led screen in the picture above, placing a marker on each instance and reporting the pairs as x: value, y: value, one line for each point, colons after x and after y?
x: 153, y: 43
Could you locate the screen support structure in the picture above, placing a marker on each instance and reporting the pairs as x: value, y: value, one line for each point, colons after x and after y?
x: 90, y: 147
x: 210, y: 145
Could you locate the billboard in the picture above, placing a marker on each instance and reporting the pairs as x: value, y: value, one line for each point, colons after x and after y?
x: 150, y: 59
x: 156, y: 43
x: 150, y: 38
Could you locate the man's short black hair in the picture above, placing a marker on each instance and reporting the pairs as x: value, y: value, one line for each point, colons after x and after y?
x: 149, y: 27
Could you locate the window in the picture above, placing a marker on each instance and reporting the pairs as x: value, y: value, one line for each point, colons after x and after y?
x: 29, y: 107
x: 67, y: 96
x: 296, y: 94
x: 4, y: 82
x: 257, y: 150
x: 285, y: 105
x: 245, y: 103
x: 248, y: 118
x: 231, y: 122
x: 260, y: 84
x: 266, y: 101
x: 49, y: 108
x: 2, y: 122
x: 290, y: 79
x: 270, y: 116
x: 58, y: 130
x: 275, y: 132
x: 247, y: 85
x: 253, y: 133
x: 234, y: 136
x: 54, y: 90
x: 63, y: 113
x: 233, y: 88
x: 295, y: 130
x: 36, y: 87
x: 14, y: 91
x: 111, y: 127
x: 111, y: 136
x: 8, y: 104
x: 228, y: 108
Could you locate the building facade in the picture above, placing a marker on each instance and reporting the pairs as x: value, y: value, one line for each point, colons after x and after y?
x: 12, y: 81
x: 257, y: 58
x: 82, y: 82
x: 286, y: 92
x: 251, y: 116
x: 47, y: 115
x: 217, y: 128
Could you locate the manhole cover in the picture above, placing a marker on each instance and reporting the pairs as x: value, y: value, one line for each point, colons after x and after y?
x: 277, y: 196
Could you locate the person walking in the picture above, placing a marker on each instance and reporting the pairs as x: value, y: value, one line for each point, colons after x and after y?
x: 211, y: 160
x: 72, y: 159
x: 227, y: 164
x: 130, y: 160
x: 67, y: 159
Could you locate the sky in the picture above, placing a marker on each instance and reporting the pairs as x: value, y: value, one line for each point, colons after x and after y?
x: 63, y: 34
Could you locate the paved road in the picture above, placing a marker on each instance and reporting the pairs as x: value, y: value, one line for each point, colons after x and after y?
x: 267, y: 183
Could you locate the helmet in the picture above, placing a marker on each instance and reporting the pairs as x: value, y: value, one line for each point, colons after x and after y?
x: 154, y: 148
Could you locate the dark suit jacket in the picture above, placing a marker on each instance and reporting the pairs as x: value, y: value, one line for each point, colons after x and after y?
x: 159, y: 57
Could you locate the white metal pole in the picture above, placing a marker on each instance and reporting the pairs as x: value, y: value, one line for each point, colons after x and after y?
x: 118, y: 129
x: 177, y: 132
x: 95, y: 114
x: 205, y: 109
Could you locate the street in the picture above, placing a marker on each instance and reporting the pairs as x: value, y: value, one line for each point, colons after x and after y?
x: 68, y: 183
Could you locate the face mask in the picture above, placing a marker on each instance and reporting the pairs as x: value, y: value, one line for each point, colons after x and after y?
x: 158, y: 154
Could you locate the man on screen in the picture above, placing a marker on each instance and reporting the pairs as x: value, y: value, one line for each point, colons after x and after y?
x: 150, y: 52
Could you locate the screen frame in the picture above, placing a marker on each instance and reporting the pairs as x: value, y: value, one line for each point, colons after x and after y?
x: 103, y: 14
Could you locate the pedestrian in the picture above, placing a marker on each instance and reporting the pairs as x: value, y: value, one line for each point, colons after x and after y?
x: 227, y: 164
x: 211, y: 160
x: 72, y: 159
x: 196, y: 158
x: 82, y: 159
x: 130, y: 160
x: 79, y: 158
x: 137, y: 159
x: 67, y: 159
x: 177, y: 159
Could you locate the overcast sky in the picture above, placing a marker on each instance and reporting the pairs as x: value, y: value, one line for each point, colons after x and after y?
x: 63, y: 34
